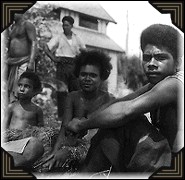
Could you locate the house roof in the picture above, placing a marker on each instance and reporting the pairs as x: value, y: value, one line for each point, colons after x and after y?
x: 88, y: 8
x: 95, y: 39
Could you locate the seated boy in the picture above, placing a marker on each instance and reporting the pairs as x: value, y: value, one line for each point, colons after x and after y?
x: 92, y: 68
x: 127, y: 141
x: 20, y: 115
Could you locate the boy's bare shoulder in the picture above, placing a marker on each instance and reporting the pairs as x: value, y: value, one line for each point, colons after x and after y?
x: 13, y: 104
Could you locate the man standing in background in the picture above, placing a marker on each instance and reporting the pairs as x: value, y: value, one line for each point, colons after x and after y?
x: 62, y: 49
x: 21, y: 52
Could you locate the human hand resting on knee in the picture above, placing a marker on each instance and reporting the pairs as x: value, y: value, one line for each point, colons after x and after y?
x: 56, y: 159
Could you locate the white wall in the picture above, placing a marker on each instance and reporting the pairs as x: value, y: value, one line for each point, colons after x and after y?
x: 112, y: 80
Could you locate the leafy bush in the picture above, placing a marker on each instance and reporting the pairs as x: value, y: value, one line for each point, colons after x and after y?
x: 132, y: 72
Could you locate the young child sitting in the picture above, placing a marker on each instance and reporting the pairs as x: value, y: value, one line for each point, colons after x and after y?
x: 22, y: 114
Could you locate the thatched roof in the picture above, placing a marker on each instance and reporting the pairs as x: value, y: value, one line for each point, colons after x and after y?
x: 96, y: 39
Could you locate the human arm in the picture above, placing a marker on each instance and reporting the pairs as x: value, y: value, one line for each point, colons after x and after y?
x: 49, y: 53
x: 7, y: 41
x: 119, y: 113
x: 51, y: 47
x: 81, y: 44
x: 130, y: 96
x: 31, y: 34
x: 8, y: 116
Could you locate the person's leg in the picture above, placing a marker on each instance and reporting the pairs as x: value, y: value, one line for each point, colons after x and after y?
x: 33, y: 151
x: 65, y: 74
x: 147, y: 149
x: 61, y: 96
x: 95, y: 162
x: 73, y: 82
x: 112, y: 149
x: 135, y: 147
x: 102, y: 153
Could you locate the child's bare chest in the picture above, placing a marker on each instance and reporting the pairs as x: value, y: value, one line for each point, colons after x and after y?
x: 24, y: 114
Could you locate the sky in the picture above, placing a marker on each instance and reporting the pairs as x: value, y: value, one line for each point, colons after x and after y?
x: 140, y: 15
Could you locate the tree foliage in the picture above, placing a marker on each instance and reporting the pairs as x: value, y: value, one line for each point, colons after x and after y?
x: 43, y: 19
x: 132, y: 72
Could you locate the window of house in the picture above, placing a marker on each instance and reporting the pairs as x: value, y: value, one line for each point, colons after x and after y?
x: 88, y: 22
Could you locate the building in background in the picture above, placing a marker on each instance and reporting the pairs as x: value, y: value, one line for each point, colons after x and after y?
x: 91, y: 21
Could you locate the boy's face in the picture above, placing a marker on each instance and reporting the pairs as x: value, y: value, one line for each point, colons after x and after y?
x: 158, y: 63
x: 25, y: 88
x: 89, y: 78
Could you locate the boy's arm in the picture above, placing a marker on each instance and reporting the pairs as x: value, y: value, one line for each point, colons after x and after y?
x: 40, y: 119
x: 119, y: 113
x: 8, y: 117
x: 137, y: 93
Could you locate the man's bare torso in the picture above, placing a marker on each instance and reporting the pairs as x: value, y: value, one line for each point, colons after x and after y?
x: 19, y: 43
x: 84, y: 107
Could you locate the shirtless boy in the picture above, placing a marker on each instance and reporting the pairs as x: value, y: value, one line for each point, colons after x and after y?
x: 22, y: 114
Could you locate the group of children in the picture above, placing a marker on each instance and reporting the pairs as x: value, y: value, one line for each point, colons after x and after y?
x: 126, y: 140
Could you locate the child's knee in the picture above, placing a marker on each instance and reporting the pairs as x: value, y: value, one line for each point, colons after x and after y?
x: 34, y: 149
x: 37, y: 145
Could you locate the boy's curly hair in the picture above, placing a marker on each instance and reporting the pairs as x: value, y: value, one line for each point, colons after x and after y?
x: 163, y: 36
x: 96, y: 58
x: 37, y: 86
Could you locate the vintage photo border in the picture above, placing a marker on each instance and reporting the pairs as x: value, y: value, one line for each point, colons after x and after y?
x: 175, y: 8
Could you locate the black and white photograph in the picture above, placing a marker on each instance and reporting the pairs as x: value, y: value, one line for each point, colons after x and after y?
x: 92, y: 89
